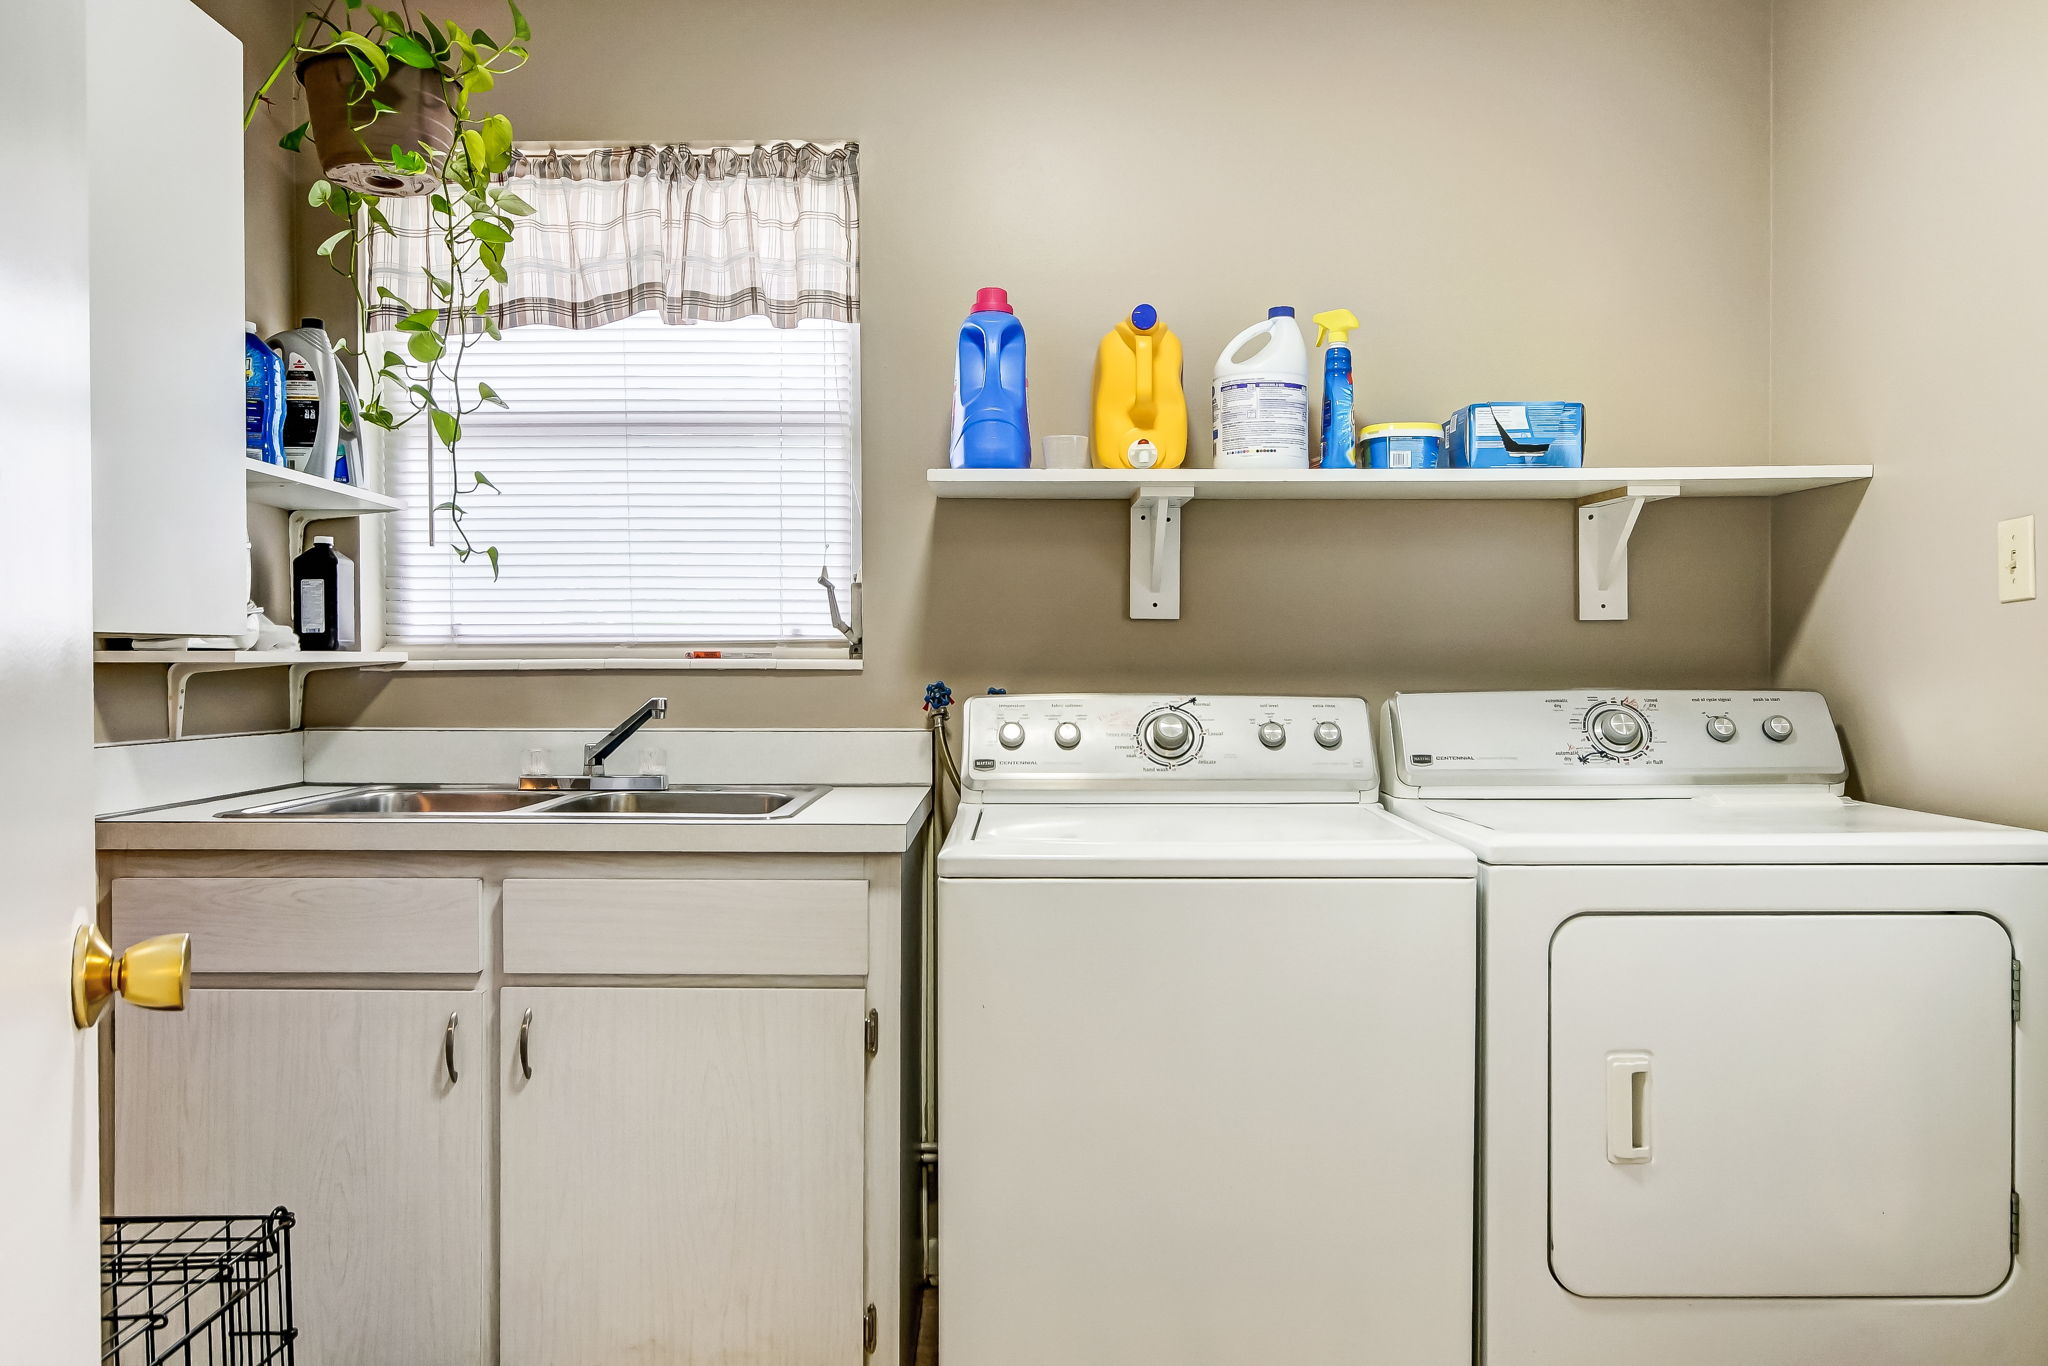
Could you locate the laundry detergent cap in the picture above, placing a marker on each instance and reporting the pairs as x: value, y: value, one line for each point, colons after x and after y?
x: 990, y: 299
x: 1143, y: 316
x: 1281, y: 311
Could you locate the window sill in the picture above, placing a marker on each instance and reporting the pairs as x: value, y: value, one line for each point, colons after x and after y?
x: 631, y: 664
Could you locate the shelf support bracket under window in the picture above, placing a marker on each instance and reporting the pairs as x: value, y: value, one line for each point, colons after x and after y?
x: 1605, y: 523
x: 1155, y: 550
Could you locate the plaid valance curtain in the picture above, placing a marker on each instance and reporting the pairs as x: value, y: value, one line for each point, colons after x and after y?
x: 693, y: 234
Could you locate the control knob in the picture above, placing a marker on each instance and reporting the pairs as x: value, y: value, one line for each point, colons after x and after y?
x: 1169, y: 734
x: 1272, y: 735
x: 1617, y: 729
x: 1329, y: 734
x: 1010, y: 734
x: 1721, y: 728
x: 1066, y: 735
x: 1778, y: 728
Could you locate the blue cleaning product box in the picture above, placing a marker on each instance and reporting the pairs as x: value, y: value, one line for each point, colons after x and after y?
x: 1496, y: 436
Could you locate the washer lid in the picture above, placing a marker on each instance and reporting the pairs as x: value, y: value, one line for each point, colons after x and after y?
x: 1194, y: 840
x: 1718, y: 828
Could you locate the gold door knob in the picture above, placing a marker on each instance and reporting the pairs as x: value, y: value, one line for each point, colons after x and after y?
x: 153, y: 974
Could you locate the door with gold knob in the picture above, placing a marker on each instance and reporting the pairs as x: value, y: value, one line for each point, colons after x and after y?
x: 49, y: 1147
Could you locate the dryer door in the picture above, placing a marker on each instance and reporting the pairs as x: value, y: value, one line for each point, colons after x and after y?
x: 1781, y: 1105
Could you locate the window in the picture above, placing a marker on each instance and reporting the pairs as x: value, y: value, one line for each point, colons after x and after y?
x: 679, y: 456
x: 658, y: 485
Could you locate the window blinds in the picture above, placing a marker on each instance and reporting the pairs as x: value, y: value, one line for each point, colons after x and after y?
x: 658, y: 485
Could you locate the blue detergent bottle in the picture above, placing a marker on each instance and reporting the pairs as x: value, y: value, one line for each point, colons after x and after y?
x: 991, y: 429
x: 263, y: 395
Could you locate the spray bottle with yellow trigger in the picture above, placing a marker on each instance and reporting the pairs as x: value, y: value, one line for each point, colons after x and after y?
x: 1340, y: 432
x: 1141, y: 410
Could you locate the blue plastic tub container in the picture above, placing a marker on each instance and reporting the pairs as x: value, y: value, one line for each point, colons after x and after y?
x: 1403, y: 445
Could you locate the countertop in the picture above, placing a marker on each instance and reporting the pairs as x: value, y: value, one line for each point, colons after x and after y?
x: 846, y: 820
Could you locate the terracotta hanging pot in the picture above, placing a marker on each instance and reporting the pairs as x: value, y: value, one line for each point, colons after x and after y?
x: 419, y: 119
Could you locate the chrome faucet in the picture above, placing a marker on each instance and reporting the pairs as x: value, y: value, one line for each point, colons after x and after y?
x: 653, y: 709
x: 594, y: 755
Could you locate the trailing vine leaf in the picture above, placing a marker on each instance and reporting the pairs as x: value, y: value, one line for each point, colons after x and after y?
x: 472, y: 220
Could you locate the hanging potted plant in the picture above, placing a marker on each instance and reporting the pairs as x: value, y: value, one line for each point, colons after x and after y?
x: 389, y: 109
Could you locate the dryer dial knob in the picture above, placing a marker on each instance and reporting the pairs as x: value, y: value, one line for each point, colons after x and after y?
x: 1329, y: 734
x: 1721, y: 728
x: 1170, y: 734
x: 1617, y: 729
x: 1011, y: 735
x: 1778, y: 728
x: 1066, y: 735
x: 1272, y: 735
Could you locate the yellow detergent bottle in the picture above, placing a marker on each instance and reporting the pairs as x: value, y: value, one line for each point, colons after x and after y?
x: 1141, y: 411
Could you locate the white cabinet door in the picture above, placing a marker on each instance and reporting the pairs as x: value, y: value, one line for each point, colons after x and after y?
x: 338, y: 1106
x: 170, y: 517
x: 681, y: 1177
x: 1781, y: 1105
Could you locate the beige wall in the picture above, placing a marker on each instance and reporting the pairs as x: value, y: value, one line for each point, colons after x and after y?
x: 1911, y: 331
x: 1558, y: 199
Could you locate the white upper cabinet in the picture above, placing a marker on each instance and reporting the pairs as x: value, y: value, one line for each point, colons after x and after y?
x: 164, y: 132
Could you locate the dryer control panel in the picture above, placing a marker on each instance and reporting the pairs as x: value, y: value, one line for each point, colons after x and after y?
x: 1609, y: 738
x: 1082, y: 740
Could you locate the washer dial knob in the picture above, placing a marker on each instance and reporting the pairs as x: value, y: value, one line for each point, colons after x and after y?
x: 1169, y: 734
x: 1778, y: 728
x: 1617, y: 729
x: 1721, y: 728
x: 1329, y: 734
x: 1066, y: 735
x: 1272, y: 735
x: 1010, y: 735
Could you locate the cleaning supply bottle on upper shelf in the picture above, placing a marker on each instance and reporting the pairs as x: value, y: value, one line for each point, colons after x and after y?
x: 1141, y: 410
x: 1261, y: 397
x: 1340, y: 431
x: 312, y: 398
x: 263, y: 399
x: 991, y: 427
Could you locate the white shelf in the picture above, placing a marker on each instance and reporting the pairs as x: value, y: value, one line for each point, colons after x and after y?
x: 252, y: 659
x: 280, y: 486
x: 1610, y: 500
x: 1697, y: 481
x: 186, y: 664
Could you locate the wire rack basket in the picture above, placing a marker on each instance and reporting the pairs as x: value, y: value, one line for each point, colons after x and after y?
x: 212, y: 1290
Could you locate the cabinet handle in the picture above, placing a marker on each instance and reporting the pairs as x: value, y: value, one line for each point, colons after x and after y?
x: 448, y: 1049
x: 525, y: 1029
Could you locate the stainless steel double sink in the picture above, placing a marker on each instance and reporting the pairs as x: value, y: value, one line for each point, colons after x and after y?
x: 429, y: 802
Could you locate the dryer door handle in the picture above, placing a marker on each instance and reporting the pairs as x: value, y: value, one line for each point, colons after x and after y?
x: 1628, y: 1107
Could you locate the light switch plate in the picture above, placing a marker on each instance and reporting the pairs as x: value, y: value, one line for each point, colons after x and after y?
x: 2016, y: 560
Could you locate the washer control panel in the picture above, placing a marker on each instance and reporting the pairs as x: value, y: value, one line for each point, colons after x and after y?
x: 1600, y: 737
x: 1118, y: 739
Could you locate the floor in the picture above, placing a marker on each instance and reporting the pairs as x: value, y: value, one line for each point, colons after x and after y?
x: 928, y: 1329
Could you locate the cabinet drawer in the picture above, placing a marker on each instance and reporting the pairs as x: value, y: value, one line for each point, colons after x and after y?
x: 310, y: 924
x: 696, y: 926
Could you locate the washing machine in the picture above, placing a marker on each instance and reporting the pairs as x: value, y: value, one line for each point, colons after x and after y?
x: 1205, y: 1043
x: 1757, y: 1080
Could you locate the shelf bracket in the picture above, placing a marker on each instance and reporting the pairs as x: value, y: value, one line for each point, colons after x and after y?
x: 1155, y: 551
x: 1605, y: 523
x: 174, y: 695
